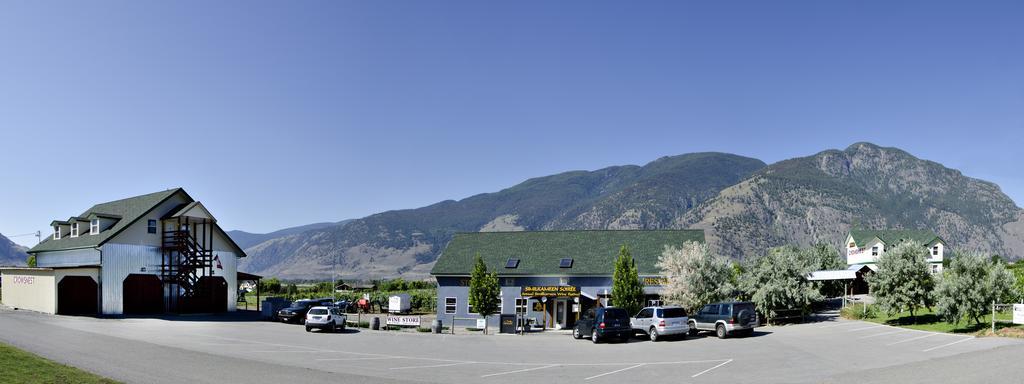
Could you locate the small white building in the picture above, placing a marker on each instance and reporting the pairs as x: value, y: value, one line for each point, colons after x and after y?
x: 867, y: 246
x: 155, y: 253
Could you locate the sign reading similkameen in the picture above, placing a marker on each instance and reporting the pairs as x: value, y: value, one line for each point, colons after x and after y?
x: 551, y: 291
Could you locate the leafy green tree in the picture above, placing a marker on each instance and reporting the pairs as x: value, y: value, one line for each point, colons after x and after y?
x: 484, y: 290
x: 903, y: 281
x: 824, y: 257
x: 695, y: 276
x: 970, y: 286
x: 1018, y: 286
x: 31, y: 261
x: 777, y: 280
x: 293, y: 290
x: 271, y: 285
x: 627, y: 291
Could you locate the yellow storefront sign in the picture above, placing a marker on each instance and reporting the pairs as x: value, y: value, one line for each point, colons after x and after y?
x: 551, y: 291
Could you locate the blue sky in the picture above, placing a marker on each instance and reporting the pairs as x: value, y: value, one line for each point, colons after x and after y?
x: 277, y: 114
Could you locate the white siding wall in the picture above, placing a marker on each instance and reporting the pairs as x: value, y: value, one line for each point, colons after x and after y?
x: 120, y: 260
x: 70, y: 258
x: 230, y: 272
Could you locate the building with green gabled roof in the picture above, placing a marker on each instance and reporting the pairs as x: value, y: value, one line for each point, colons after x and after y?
x: 865, y: 247
x: 550, y: 276
x: 153, y: 253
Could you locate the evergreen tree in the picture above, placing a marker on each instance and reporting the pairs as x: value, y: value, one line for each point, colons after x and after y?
x: 695, y: 276
x: 484, y: 290
x: 627, y: 291
x: 904, y: 281
x: 970, y: 286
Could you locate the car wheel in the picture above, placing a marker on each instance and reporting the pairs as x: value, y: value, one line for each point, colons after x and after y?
x: 593, y: 336
x: 334, y: 328
x: 308, y: 329
x: 653, y: 334
x: 343, y: 325
x: 576, y: 334
x: 720, y: 331
x: 693, y: 329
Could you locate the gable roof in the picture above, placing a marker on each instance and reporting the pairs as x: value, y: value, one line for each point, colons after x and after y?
x: 130, y: 210
x: 894, y: 236
x: 539, y: 252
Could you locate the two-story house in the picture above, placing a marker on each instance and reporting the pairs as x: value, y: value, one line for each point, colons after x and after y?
x: 865, y: 247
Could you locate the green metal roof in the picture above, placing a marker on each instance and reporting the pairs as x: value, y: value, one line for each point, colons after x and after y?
x: 894, y: 236
x: 539, y: 252
x: 130, y: 210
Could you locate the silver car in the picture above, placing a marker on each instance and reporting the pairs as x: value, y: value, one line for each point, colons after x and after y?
x: 661, y: 321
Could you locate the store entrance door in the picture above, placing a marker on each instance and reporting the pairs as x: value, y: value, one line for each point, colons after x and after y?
x: 561, y: 308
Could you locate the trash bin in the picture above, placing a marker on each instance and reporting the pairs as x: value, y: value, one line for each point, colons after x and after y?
x: 375, y: 324
x: 508, y: 324
x: 436, y: 326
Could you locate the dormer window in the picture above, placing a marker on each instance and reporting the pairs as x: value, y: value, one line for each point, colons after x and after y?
x: 874, y: 251
x: 74, y: 229
x: 56, y: 232
x: 935, y: 250
x: 94, y: 227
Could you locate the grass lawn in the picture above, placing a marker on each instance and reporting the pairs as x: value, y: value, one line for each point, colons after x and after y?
x: 928, y: 320
x: 17, y: 366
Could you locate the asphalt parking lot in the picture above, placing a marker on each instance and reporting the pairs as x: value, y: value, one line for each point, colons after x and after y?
x: 212, y: 350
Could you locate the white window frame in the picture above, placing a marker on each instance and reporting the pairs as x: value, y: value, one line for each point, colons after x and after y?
x: 94, y: 227
x: 469, y: 308
x: 523, y: 303
x: 874, y: 251
x: 74, y: 229
x: 454, y: 305
x: 935, y: 250
x: 154, y: 226
x: 56, y: 232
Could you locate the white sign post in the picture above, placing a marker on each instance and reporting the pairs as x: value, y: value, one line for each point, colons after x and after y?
x: 481, y: 323
x: 1018, y: 313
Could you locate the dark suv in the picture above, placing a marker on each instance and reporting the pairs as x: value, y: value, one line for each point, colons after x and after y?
x: 296, y: 313
x: 603, y: 323
x: 730, y: 318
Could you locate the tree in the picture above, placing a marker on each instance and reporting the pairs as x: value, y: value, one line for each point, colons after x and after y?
x: 271, y: 285
x: 824, y: 257
x: 695, y: 276
x: 484, y: 291
x: 777, y: 280
x: 31, y: 261
x: 971, y: 284
x: 293, y: 290
x: 627, y: 291
x: 903, y: 281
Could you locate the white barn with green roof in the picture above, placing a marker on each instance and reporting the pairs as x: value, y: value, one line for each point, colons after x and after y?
x: 865, y: 247
x: 549, y: 277
x: 155, y: 253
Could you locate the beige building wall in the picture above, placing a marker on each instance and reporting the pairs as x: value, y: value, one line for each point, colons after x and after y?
x: 31, y: 289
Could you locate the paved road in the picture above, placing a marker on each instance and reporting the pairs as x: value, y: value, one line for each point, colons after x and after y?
x: 199, y: 350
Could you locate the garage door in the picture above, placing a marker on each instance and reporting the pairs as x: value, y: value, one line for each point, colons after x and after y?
x: 77, y: 295
x: 218, y: 290
x: 143, y: 295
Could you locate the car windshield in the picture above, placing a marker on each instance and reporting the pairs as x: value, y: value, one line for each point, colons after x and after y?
x: 668, y: 313
x: 318, y: 311
x: 615, y: 313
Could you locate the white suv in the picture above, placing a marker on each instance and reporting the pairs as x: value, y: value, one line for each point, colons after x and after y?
x: 661, y: 321
x: 325, y: 318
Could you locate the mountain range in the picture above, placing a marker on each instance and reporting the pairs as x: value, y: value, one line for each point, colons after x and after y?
x: 745, y: 206
x: 11, y: 253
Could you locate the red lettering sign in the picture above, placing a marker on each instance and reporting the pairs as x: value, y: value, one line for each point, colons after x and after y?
x: 24, y: 280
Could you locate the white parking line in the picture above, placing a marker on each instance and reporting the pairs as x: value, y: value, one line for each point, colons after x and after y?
x: 865, y: 328
x: 841, y: 324
x: 886, y: 333
x: 615, y: 371
x: 712, y: 368
x: 518, y: 370
x: 914, y: 338
x: 946, y: 345
x: 434, y: 366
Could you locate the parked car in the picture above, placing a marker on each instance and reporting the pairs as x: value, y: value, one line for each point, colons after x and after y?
x: 603, y: 323
x: 656, y: 322
x: 728, y: 318
x: 343, y: 305
x: 325, y: 318
x: 296, y: 313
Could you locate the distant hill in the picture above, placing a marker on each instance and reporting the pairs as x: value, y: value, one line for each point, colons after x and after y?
x: 406, y: 242
x: 247, y: 239
x: 820, y: 197
x: 11, y: 254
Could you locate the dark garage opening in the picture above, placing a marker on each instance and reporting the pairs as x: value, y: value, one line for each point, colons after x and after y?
x: 77, y: 295
x: 212, y: 296
x: 143, y: 295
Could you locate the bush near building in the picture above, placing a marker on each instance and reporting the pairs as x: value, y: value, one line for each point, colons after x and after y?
x: 695, y: 276
x: 777, y: 281
x: 904, y: 281
x: 970, y: 286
